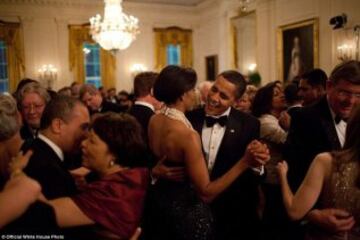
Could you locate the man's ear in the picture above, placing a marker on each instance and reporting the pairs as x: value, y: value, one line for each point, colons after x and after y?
x: 57, y: 125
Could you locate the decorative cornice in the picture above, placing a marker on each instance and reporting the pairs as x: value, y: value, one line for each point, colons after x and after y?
x: 55, y: 3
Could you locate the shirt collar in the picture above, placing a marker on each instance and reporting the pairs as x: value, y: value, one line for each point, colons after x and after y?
x: 145, y: 104
x: 226, y: 113
x: 53, y: 146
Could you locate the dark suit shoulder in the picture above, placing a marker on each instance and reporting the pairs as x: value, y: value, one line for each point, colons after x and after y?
x: 111, y: 107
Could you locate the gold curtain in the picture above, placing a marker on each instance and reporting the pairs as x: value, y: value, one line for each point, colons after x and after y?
x: 173, y: 35
x: 11, y: 34
x: 78, y: 35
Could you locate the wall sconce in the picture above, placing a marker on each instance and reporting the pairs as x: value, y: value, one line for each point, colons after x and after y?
x: 137, y: 68
x: 348, y: 46
x: 252, y: 67
x: 47, y: 75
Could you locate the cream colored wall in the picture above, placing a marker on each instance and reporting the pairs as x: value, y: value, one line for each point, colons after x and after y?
x: 272, y: 14
x: 46, y: 35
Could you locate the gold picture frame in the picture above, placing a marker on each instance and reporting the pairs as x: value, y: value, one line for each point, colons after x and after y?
x: 298, y: 48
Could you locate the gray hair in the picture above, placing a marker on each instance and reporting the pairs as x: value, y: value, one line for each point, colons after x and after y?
x: 9, y: 121
x: 33, y: 87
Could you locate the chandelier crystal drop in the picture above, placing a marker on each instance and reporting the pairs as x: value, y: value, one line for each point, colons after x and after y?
x: 117, y: 30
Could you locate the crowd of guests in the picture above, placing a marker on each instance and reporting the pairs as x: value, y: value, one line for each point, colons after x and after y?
x: 181, y: 160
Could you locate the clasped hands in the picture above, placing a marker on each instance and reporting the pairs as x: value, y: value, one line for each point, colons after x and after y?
x: 257, y: 154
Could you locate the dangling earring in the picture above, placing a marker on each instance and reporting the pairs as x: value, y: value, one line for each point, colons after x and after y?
x: 111, y: 164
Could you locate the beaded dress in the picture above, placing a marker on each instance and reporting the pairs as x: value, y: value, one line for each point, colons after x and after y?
x: 341, y: 192
x: 175, y: 210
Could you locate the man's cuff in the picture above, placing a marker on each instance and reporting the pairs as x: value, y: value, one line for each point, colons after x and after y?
x: 259, y: 170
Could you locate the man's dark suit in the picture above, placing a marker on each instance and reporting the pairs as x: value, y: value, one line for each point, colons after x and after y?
x: 142, y: 114
x: 234, y: 210
x: 312, y: 131
x: 47, y: 168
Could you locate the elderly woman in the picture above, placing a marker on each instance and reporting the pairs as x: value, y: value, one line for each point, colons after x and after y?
x: 32, y: 98
x: 20, y: 191
x: 114, y: 202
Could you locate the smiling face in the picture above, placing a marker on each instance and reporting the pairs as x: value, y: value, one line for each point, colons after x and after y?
x: 221, y: 96
x: 32, y: 107
x: 96, y: 154
x: 343, y: 97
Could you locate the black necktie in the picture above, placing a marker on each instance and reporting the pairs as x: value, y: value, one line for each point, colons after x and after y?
x: 210, y: 121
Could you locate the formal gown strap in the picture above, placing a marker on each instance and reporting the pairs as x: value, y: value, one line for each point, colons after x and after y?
x: 175, y: 114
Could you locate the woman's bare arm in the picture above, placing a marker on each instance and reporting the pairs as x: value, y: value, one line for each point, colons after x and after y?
x: 68, y: 214
x: 299, y: 204
x: 198, y: 172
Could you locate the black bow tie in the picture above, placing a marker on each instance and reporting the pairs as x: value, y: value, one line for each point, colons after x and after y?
x: 338, y: 119
x: 210, y: 121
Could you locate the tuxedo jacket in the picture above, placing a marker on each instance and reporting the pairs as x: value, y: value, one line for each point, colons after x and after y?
x: 143, y: 115
x: 311, y: 132
x: 234, y: 210
x: 47, y: 168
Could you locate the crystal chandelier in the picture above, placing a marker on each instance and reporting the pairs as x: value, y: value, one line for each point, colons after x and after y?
x: 117, y: 30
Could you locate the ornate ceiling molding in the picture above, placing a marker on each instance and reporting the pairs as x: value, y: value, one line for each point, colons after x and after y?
x: 55, y: 3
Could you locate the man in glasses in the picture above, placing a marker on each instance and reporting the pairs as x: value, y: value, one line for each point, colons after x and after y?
x: 321, y: 128
x: 32, y: 101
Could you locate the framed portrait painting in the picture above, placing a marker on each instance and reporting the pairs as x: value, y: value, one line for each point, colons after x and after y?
x: 211, y: 64
x: 298, y: 45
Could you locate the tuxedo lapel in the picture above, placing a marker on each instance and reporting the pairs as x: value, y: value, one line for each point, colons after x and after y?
x: 328, y: 125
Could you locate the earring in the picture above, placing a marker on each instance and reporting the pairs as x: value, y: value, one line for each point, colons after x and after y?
x: 111, y: 164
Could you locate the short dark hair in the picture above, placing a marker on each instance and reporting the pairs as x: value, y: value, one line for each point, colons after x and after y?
x: 315, y: 77
x: 143, y: 83
x: 173, y: 82
x: 237, y: 79
x: 87, y: 88
x: 122, y: 134
x: 291, y: 93
x: 61, y: 107
x: 348, y: 71
x: 262, y: 102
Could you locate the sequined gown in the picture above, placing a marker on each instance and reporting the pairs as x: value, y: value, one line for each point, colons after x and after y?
x: 173, y: 210
x: 340, y: 192
x: 176, y: 212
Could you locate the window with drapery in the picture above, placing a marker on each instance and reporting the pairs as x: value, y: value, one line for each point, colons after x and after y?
x: 12, y: 64
x: 173, y: 45
x: 88, y: 61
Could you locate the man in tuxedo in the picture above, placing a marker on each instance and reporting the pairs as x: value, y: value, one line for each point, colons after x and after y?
x: 95, y: 101
x: 225, y: 132
x: 63, y: 126
x: 145, y: 104
x: 312, y: 86
x: 321, y: 128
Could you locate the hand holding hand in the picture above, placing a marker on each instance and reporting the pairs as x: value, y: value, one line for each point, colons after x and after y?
x: 332, y: 220
x: 256, y: 154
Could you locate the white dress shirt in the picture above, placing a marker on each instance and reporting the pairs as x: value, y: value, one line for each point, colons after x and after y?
x: 53, y: 146
x: 211, y: 138
x: 340, y: 128
x: 145, y: 104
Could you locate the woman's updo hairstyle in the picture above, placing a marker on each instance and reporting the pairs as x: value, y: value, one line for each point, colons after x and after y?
x: 173, y: 82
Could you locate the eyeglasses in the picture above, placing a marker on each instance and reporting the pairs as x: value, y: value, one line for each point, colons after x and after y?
x: 32, y: 106
x: 347, y: 94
